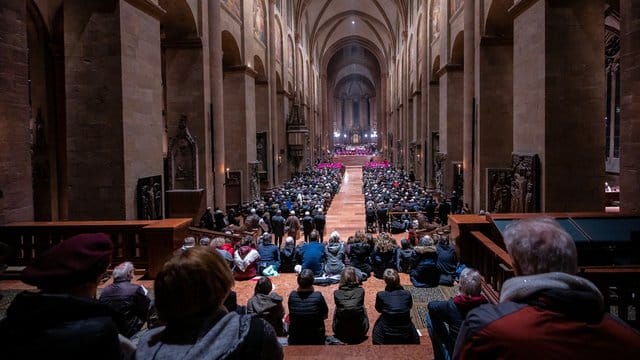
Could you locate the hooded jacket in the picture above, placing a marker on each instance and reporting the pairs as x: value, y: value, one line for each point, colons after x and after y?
x: 551, y: 316
x: 334, y: 259
x: 425, y: 273
x: 380, y: 261
x: 268, y: 307
x: 359, y: 256
x: 245, y: 260
x: 350, y: 320
x: 43, y: 326
x: 223, y: 336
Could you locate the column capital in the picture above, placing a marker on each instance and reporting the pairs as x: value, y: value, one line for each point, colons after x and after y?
x: 520, y: 6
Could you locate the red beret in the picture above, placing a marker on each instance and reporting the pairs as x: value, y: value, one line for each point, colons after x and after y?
x: 74, y: 261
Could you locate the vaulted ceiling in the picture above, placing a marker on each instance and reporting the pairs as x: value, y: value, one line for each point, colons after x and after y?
x: 351, y: 37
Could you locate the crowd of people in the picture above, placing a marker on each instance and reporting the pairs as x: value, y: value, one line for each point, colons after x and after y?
x: 545, y: 310
x: 388, y: 190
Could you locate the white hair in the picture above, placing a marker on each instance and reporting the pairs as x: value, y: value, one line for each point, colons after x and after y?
x: 204, y: 241
x: 123, y: 271
x: 540, y: 245
x: 334, y: 235
x: 470, y: 282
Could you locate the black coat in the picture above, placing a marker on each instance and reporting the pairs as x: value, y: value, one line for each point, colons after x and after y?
x: 48, y: 326
x: 394, y: 325
x: 359, y: 256
x: 425, y: 273
x: 129, y: 300
x: 268, y: 307
x: 350, y: 320
x: 320, y: 222
x: 380, y: 261
x: 307, y: 311
x: 277, y: 225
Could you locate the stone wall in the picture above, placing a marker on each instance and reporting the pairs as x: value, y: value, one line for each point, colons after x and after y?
x: 16, y: 196
x: 142, y: 100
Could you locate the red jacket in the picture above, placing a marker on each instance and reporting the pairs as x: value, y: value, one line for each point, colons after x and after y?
x: 546, y: 322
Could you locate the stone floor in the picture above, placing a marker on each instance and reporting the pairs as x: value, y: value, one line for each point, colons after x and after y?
x: 346, y: 215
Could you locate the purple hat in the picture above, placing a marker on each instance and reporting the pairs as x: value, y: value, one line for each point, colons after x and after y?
x: 74, y: 261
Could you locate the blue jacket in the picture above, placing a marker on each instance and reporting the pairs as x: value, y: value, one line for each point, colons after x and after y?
x: 269, y: 255
x: 312, y: 256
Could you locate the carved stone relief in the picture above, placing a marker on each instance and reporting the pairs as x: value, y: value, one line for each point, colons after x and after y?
x: 183, y: 159
x: 149, y: 197
x: 438, y: 166
x: 515, y: 189
x: 254, y: 180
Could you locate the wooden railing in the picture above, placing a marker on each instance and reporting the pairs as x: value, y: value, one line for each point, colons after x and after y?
x: 147, y: 244
x: 619, y: 285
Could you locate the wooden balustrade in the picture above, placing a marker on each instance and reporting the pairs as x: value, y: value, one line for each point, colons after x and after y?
x: 147, y: 244
x: 478, y: 247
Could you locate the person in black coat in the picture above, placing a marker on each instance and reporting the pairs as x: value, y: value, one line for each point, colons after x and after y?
x: 267, y: 305
x: 406, y: 257
x: 206, y: 221
x: 350, y: 320
x: 129, y: 299
x: 359, y: 253
x: 307, y: 312
x: 444, y: 209
x: 218, y: 219
x: 319, y: 221
x: 307, y: 225
x: 384, y: 255
x: 63, y: 320
x: 269, y: 254
x: 277, y: 225
x: 394, y: 304
x: 288, y: 256
x: 425, y: 273
x: 382, y: 214
x: 447, y: 261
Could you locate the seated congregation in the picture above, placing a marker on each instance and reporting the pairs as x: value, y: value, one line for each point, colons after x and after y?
x: 544, y: 311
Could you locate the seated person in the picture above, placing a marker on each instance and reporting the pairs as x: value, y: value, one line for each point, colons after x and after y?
x: 267, y: 305
x: 311, y: 254
x: 350, y: 320
x: 406, y: 257
x: 384, y: 255
x: 288, y: 256
x: 218, y: 244
x: 425, y: 273
x: 394, y: 304
x: 269, y: 254
x: 334, y: 255
x: 189, y: 290
x: 62, y: 320
x: 246, y: 260
x: 359, y: 251
x: 204, y: 241
x: 128, y: 299
x: 307, y: 312
x: 447, y: 262
x: 545, y: 310
x: 445, y: 317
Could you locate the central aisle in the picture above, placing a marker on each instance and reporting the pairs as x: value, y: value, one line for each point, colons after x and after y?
x: 346, y: 213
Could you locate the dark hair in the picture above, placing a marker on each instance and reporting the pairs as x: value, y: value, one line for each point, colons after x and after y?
x: 349, y: 276
x: 263, y: 286
x: 391, y: 278
x: 313, y: 236
x: 193, y: 282
x: 305, y: 279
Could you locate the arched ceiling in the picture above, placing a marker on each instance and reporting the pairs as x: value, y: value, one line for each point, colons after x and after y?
x: 351, y: 40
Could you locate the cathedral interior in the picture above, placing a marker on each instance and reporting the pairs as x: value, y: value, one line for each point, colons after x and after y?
x: 187, y: 102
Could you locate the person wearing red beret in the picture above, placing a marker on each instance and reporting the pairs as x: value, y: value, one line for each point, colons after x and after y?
x: 63, y: 319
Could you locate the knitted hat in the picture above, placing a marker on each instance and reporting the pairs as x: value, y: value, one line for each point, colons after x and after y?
x: 74, y: 261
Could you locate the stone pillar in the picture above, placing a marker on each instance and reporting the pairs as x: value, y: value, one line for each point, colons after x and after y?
x: 558, y: 104
x: 216, y: 83
x: 272, y: 138
x: 425, y: 132
x: 433, y: 126
x: 16, y: 192
x: 451, y: 86
x: 630, y: 103
x: 240, y: 122
x: 111, y: 141
x: 468, y: 162
x: 348, y: 123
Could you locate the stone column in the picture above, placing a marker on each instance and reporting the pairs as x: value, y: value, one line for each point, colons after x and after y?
x: 16, y: 192
x: 240, y: 121
x: 425, y: 132
x: 348, y: 123
x: 558, y: 104
x: 468, y: 162
x: 216, y: 83
x: 451, y: 85
x: 272, y: 137
x: 433, y: 126
x: 630, y: 103
x: 111, y: 143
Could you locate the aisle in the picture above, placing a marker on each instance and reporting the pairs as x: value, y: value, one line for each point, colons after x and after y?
x: 346, y: 213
